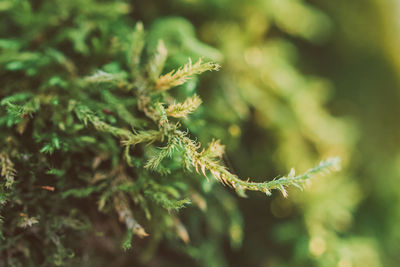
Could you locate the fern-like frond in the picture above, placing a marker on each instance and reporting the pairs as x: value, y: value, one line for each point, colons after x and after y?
x: 182, y: 110
x: 128, y: 138
x: 180, y: 76
x: 154, y: 162
x: 7, y: 169
x: 204, y: 161
x: 26, y: 109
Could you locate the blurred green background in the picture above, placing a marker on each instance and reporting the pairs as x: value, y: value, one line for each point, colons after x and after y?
x: 300, y: 81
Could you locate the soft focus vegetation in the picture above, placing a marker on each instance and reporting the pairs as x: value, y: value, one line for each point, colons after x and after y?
x: 129, y: 131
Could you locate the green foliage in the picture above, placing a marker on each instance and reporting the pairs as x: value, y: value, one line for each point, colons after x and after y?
x: 76, y: 139
x: 103, y: 120
x: 7, y: 170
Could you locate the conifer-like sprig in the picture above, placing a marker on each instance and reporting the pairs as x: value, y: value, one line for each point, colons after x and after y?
x: 128, y: 138
x: 154, y: 162
x: 182, y: 110
x: 118, y: 193
x: 204, y: 160
x: 18, y: 111
x: 180, y: 76
x: 86, y: 115
x: 7, y: 169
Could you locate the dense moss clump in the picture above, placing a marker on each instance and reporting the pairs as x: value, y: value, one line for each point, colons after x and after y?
x: 128, y: 131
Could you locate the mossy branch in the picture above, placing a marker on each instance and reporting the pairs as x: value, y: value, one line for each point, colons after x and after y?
x: 180, y: 76
x: 86, y: 115
x: 208, y: 160
x: 182, y: 110
x: 128, y: 138
x: 20, y: 111
x: 7, y: 169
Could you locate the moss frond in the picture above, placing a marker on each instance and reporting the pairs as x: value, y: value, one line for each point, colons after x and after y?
x: 8, y: 171
x: 180, y: 76
x: 182, y: 110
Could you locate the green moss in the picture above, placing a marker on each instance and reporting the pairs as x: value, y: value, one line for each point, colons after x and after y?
x: 110, y: 135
